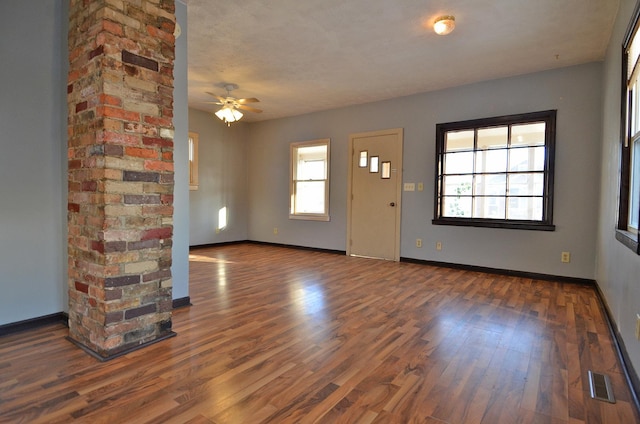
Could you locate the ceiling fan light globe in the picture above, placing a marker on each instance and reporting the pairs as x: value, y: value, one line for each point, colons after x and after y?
x: 229, y: 114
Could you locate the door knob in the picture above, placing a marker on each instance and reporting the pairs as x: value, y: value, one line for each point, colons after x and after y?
x: 392, y: 204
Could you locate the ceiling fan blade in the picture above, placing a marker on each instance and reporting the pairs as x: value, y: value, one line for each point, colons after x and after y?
x: 249, y: 108
x: 249, y: 100
x: 222, y: 99
x: 214, y: 103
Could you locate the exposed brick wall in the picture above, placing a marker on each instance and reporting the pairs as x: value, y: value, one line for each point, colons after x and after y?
x: 120, y: 151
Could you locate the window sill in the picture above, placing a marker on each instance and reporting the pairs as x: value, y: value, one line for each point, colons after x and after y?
x: 311, y: 217
x: 495, y: 223
x: 628, y: 239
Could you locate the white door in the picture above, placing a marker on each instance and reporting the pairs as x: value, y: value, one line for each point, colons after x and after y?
x: 375, y: 178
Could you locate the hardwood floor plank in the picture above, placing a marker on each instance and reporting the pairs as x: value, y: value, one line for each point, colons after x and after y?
x: 278, y: 335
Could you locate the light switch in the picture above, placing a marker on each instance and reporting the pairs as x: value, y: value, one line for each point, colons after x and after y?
x: 409, y: 187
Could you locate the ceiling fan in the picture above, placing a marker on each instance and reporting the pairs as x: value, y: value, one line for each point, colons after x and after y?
x: 229, y: 112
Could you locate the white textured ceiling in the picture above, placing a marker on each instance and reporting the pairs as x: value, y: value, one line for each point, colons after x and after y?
x: 300, y: 56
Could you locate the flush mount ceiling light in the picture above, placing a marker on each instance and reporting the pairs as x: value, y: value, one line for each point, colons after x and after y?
x: 444, y: 24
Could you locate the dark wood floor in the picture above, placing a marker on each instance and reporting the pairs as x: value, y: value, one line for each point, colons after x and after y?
x: 288, y: 336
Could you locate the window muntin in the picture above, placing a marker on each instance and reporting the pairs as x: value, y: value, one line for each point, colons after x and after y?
x: 496, y: 172
x: 193, y: 161
x: 309, y: 186
x: 629, y: 199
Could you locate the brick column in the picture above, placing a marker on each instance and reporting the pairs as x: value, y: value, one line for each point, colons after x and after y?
x: 120, y: 150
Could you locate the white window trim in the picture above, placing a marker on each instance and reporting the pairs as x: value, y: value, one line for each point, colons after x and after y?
x: 292, y: 182
x: 193, y: 160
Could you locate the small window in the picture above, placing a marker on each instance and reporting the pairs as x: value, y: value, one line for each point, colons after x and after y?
x: 629, y: 199
x: 193, y: 161
x: 496, y: 172
x: 309, y: 187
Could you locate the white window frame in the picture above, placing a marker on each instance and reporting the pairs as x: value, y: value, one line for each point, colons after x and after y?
x: 193, y: 160
x: 294, y: 183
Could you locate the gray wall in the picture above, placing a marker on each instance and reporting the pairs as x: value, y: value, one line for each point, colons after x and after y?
x: 574, y: 92
x: 222, y: 180
x: 180, y: 248
x: 618, y: 268
x: 33, y: 173
x: 33, y: 159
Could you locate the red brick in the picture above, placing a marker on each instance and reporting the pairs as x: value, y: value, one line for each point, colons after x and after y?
x: 81, y: 287
x: 161, y: 122
x: 157, y: 141
x: 114, y: 112
x: 157, y: 233
x: 112, y: 137
x: 81, y: 106
x: 158, y: 33
x: 98, y: 246
x: 158, y: 165
x: 110, y: 100
x: 140, y: 152
x: 96, y: 52
x: 112, y: 27
x: 89, y: 185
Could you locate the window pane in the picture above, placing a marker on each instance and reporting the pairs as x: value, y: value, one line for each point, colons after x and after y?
x: 526, y: 159
x: 526, y: 184
x: 363, y: 159
x: 458, y: 140
x: 311, y: 163
x: 491, y: 160
x: 635, y: 109
x: 386, y: 170
x: 458, y: 163
x: 528, y: 134
x: 311, y: 170
x: 524, y: 208
x: 634, y: 194
x: 309, y: 197
x: 457, y: 207
x: 489, y: 207
x: 373, y: 166
x: 491, y: 138
x: 457, y: 185
x: 491, y: 185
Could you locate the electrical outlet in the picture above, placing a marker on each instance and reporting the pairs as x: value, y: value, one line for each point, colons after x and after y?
x: 275, y: 230
x: 565, y: 257
x: 418, y: 242
x: 438, y: 245
x: 638, y: 326
x: 420, y: 186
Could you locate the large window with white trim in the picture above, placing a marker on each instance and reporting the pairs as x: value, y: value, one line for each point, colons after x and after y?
x: 309, y: 181
x: 496, y: 172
